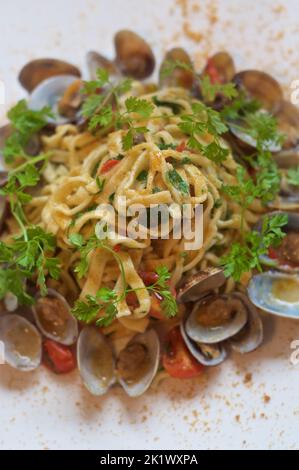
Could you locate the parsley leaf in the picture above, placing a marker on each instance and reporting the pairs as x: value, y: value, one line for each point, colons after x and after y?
x: 210, y: 90
x: 25, y: 123
x: 293, y: 176
x: 178, y: 182
x: 205, y: 121
x: 142, y: 107
x: 243, y: 258
x: 142, y: 177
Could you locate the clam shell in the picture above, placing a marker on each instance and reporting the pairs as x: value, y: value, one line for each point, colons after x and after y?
x: 151, y: 342
x: 292, y: 225
x: 262, y: 87
x: 201, y: 283
x: 58, y: 326
x: 198, y: 350
x: 48, y: 93
x: 36, y: 71
x: 95, y: 361
x: 224, y: 64
x: 96, y: 61
x: 22, y: 342
x: 276, y: 293
x: 134, y: 56
x: 214, y: 334
x: 251, y: 335
x: 179, y: 77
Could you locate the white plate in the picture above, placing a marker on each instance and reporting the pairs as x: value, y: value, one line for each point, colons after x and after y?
x: 225, y: 409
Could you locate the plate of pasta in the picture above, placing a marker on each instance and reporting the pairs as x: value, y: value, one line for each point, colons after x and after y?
x: 102, y: 170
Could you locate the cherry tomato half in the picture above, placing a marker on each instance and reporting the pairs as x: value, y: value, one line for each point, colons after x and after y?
x: 177, y: 360
x: 59, y: 358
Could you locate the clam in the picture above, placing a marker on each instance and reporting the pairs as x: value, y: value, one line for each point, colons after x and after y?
x: 179, y: 76
x: 276, y: 293
x: 71, y: 100
x: 96, y: 61
x: 134, y: 56
x: 245, y: 140
x: 95, y: 361
x: 206, y: 354
x: 138, y: 363
x: 287, y: 117
x: 216, y: 318
x: 288, y: 121
x: 54, y: 319
x: 49, y: 93
x: 22, y: 342
x: 36, y: 71
x: 285, y: 257
x: 251, y: 336
x: 288, y: 197
x: 261, y: 87
x: 224, y: 65
x: 201, y: 283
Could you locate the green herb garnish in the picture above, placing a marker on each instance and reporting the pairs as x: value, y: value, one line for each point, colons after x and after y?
x: 25, y: 123
x: 178, y: 182
x: 245, y: 257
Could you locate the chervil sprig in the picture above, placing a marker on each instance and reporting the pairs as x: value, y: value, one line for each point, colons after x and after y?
x: 106, y: 300
x: 203, y: 121
x: 28, y: 259
x: 245, y: 257
x: 103, y: 110
x: 293, y: 176
x: 210, y: 90
x: 25, y: 123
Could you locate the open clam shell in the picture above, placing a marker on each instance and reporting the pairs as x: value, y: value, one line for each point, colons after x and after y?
x: 251, y: 336
x: 22, y: 342
x: 180, y: 77
x: 207, y: 354
x: 247, y: 141
x: 96, y: 61
x: 95, y: 361
x: 260, y: 86
x: 36, y: 71
x: 138, y: 363
x: 201, y: 283
x: 49, y: 93
x: 287, y: 254
x: 224, y: 64
x: 54, y: 319
x: 216, y: 318
x: 276, y: 293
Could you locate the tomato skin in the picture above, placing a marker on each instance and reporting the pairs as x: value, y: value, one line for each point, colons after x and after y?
x: 272, y: 253
x: 149, y: 278
x: 156, y: 309
x: 132, y: 300
x: 177, y: 360
x: 60, y: 358
x: 109, y: 165
x: 117, y: 248
x: 212, y: 72
x: 181, y: 147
